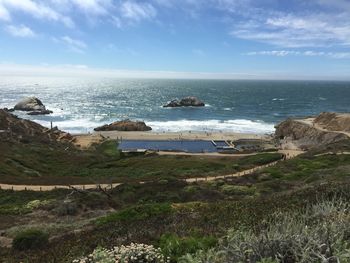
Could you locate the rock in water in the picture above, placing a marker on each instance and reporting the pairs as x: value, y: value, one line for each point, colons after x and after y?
x: 124, y: 125
x: 186, y: 102
x: 32, y: 104
x: 173, y: 103
x: 43, y: 112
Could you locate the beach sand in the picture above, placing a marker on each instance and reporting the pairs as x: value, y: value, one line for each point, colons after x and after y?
x: 85, y: 140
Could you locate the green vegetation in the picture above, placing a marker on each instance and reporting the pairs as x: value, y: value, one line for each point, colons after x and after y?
x: 134, y: 253
x: 37, y: 163
x: 17, y: 203
x: 174, y: 246
x: 30, y: 239
x: 136, y: 213
x: 256, y: 216
x: 318, y: 233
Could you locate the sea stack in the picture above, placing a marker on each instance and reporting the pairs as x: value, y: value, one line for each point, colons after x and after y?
x: 186, y: 102
x: 124, y: 125
x: 33, y: 105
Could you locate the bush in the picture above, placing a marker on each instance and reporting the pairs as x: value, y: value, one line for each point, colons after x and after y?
x: 237, y: 190
x: 174, y: 246
x: 191, y: 189
x: 135, y: 213
x: 30, y: 239
x: 318, y: 234
x: 134, y: 253
x: 67, y: 207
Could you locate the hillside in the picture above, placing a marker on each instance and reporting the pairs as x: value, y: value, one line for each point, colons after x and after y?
x: 333, y: 121
x: 17, y: 130
x: 191, y: 221
x: 307, y: 133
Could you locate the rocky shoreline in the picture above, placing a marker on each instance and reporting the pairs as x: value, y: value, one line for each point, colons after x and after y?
x: 307, y: 133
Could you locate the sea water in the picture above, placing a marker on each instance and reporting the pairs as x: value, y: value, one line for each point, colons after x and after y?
x: 79, y: 105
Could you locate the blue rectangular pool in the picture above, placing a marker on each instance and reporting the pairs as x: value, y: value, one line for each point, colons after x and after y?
x: 190, y: 146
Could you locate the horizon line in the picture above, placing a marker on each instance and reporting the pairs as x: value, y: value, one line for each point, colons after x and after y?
x: 71, y: 70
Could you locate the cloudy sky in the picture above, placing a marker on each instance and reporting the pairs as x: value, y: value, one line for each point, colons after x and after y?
x: 209, y: 38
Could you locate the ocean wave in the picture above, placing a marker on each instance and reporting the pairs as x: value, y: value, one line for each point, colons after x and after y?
x: 239, y: 126
x: 84, y: 125
x: 73, y: 126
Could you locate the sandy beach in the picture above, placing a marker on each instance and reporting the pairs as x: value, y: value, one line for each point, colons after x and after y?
x: 85, y: 140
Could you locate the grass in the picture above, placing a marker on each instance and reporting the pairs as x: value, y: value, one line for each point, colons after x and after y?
x: 180, y: 217
x: 314, y: 167
x: 36, y: 163
x: 136, y: 213
x: 316, y: 233
x: 17, y: 203
x: 149, y: 222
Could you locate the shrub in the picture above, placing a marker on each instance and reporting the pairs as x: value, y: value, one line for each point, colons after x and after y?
x: 174, y: 246
x: 318, y: 234
x: 67, y: 207
x: 237, y: 189
x: 34, y: 204
x: 138, y: 212
x: 133, y: 253
x: 191, y: 189
x: 30, y: 239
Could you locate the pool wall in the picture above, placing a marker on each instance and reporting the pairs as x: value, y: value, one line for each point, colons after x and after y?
x: 189, y: 146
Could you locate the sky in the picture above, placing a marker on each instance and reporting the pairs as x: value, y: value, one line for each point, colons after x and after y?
x: 243, y: 39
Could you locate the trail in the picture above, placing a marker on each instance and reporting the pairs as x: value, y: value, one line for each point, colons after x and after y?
x: 311, y: 123
x: 289, y: 154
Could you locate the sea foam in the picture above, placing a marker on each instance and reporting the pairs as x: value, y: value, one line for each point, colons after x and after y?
x: 239, y: 126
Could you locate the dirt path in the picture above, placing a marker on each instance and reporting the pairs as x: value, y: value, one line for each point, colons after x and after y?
x: 289, y: 154
x: 53, y: 187
x: 310, y: 122
x: 238, y: 174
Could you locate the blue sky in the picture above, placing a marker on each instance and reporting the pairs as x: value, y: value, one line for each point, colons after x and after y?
x: 280, y: 39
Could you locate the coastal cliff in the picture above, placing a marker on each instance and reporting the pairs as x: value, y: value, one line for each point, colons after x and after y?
x: 15, y: 129
x: 308, y: 133
x: 334, y: 121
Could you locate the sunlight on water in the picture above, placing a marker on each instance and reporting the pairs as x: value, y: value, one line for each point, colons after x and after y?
x: 79, y: 105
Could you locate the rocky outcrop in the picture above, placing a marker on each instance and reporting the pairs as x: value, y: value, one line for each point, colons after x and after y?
x: 186, y: 102
x: 304, y: 135
x: 334, y: 121
x: 33, y: 105
x: 14, y: 129
x: 124, y: 125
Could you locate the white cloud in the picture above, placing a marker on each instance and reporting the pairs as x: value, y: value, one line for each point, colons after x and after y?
x: 335, y: 4
x: 89, y: 7
x: 35, y: 9
x: 137, y: 11
x: 4, y: 14
x: 20, y: 31
x: 72, y: 44
x: 98, y: 7
x: 308, y: 53
x: 314, y: 23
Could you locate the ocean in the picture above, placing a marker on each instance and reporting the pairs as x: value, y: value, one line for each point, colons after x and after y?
x: 249, y: 106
